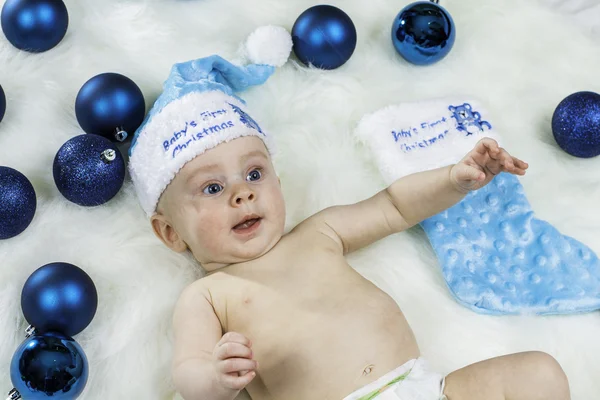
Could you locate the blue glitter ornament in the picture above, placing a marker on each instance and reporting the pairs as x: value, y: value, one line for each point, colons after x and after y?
x: 89, y: 170
x: 576, y: 124
x: 2, y: 103
x: 59, y: 297
x: 49, y: 365
x: 34, y: 25
x: 324, y: 36
x: 423, y: 33
x: 18, y: 202
x: 110, y: 105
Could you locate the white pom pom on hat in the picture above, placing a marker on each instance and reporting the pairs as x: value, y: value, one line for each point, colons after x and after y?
x: 270, y: 45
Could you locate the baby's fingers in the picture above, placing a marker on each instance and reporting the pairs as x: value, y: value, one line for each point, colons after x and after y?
x: 489, y: 146
x: 235, y: 337
x: 232, y: 349
x: 236, y: 365
x: 522, y: 165
x: 466, y: 172
x: 237, y: 382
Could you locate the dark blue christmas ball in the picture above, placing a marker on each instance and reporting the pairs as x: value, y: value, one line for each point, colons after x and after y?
x: 59, y: 297
x: 2, y: 103
x: 576, y: 124
x: 49, y: 365
x: 89, y: 170
x: 324, y: 36
x: 423, y: 33
x: 34, y: 25
x: 18, y: 202
x: 110, y: 105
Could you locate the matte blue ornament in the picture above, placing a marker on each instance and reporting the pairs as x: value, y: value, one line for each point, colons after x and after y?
x: 110, y: 105
x: 18, y: 202
x: 423, y: 33
x: 59, y: 297
x: 34, y: 25
x: 324, y: 36
x: 49, y: 365
x: 89, y: 170
x: 576, y: 124
x: 2, y: 103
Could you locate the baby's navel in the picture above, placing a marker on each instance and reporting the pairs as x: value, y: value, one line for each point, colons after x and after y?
x: 368, y: 369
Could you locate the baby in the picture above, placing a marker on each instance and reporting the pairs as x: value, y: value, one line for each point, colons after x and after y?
x: 283, y: 315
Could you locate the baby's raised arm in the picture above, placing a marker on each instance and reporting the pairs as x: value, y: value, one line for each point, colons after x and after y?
x: 414, y: 198
x: 206, y: 364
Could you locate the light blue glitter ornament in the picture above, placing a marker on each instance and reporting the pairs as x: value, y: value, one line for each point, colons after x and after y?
x: 576, y: 124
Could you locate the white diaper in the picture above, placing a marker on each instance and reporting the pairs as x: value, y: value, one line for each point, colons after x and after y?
x: 411, y: 381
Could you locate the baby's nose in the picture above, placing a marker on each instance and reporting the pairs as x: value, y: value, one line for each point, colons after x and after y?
x: 244, y: 194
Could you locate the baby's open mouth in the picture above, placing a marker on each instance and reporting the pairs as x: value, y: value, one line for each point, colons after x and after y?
x: 246, y: 224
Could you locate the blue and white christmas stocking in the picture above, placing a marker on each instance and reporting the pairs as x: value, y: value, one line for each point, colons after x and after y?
x: 495, y: 255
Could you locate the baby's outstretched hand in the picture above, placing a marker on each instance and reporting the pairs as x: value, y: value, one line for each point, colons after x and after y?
x: 233, y: 361
x: 482, y: 163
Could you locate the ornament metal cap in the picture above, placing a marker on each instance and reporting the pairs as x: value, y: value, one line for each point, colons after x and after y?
x: 120, y: 134
x: 108, y: 156
x: 30, y: 331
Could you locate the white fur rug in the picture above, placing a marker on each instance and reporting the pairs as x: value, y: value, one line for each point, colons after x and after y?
x: 521, y: 57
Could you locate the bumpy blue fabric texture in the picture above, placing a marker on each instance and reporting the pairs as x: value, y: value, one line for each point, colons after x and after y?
x: 498, y: 258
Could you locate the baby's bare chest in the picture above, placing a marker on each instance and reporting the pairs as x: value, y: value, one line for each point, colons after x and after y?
x: 317, y: 294
x: 308, y: 320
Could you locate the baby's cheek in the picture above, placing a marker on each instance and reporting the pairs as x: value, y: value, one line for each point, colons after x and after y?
x: 210, y: 228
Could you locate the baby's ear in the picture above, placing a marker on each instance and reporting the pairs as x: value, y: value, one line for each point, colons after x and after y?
x: 167, y: 234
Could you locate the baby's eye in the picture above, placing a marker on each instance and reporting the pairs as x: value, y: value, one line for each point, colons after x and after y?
x: 254, y: 175
x: 213, y: 188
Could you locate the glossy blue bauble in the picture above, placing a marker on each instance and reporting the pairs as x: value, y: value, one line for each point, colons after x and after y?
x: 423, y: 33
x: 49, y: 366
x: 2, y: 103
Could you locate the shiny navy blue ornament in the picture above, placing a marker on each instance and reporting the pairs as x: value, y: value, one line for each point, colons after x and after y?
x: 59, y: 297
x: 18, y: 202
x: 2, y: 103
x: 89, y: 170
x: 324, y: 36
x: 110, y: 105
x: 576, y: 124
x: 34, y: 25
x: 48, y: 366
x: 423, y: 32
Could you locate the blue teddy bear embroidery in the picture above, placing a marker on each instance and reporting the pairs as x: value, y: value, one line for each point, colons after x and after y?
x: 467, y: 120
x: 246, y: 119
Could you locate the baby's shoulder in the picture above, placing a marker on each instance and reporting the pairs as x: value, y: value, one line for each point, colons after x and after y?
x: 314, y: 233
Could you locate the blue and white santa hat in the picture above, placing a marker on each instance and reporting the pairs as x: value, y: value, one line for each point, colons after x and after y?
x: 199, y: 109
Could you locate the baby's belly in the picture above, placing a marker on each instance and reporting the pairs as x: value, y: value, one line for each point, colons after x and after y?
x: 325, y: 349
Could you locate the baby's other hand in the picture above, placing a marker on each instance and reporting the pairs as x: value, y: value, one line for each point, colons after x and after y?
x: 482, y: 164
x: 233, y: 361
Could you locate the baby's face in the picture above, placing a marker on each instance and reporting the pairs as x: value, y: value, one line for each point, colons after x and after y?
x: 212, y: 194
